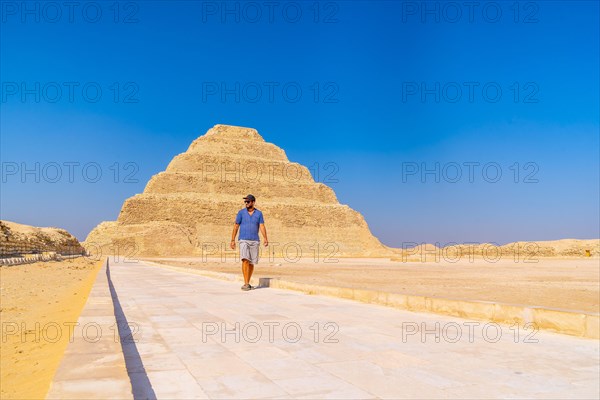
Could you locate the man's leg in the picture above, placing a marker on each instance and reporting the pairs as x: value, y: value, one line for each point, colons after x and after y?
x: 246, y: 270
x: 250, y: 271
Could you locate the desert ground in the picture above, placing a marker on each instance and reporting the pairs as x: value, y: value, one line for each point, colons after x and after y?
x: 40, y: 301
x: 49, y: 294
x: 572, y: 284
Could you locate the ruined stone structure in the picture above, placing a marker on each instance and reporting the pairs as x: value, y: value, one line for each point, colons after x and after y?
x: 18, y: 239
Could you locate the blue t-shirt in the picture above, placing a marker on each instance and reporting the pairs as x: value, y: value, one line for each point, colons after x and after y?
x: 249, y: 224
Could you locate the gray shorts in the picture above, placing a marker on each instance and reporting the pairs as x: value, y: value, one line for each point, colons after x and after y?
x: 249, y: 250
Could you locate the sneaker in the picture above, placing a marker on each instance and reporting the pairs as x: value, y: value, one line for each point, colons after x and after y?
x: 246, y: 287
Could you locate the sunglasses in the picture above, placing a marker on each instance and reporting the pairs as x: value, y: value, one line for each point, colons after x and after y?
x: 247, y: 201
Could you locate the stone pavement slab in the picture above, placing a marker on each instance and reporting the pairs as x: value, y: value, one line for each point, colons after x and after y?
x: 197, y: 337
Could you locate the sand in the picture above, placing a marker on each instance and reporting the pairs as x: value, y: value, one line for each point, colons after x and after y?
x: 572, y: 284
x: 47, y: 293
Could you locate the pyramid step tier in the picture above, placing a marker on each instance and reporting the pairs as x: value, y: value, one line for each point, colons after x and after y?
x: 256, y: 149
x: 212, y: 240
x: 193, y: 208
x: 225, y: 166
x: 237, y: 187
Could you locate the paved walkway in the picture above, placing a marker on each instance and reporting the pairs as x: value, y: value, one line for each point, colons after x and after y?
x: 198, y: 337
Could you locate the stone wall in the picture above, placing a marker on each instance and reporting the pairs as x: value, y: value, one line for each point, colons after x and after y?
x: 17, y: 240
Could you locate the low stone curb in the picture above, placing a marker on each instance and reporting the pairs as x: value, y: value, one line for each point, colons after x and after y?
x: 7, y: 262
x: 98, y: 360
x: 568, y: 322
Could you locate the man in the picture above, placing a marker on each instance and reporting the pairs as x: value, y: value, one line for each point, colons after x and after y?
x: 249, y: 220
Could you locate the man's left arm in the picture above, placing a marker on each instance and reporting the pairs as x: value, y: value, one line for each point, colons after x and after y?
x: 263, y: 229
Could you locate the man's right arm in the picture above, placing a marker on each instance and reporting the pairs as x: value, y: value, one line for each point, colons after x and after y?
x: 236, y: 226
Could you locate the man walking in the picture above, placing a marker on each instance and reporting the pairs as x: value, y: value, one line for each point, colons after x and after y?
x: 249, y: 220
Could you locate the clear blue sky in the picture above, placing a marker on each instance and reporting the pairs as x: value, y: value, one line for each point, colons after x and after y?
x: 367, y: 72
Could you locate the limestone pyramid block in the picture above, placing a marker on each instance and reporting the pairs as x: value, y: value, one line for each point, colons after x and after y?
x: 189, y: 208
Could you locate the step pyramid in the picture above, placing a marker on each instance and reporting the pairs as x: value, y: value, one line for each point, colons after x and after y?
x: 190, y: 208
